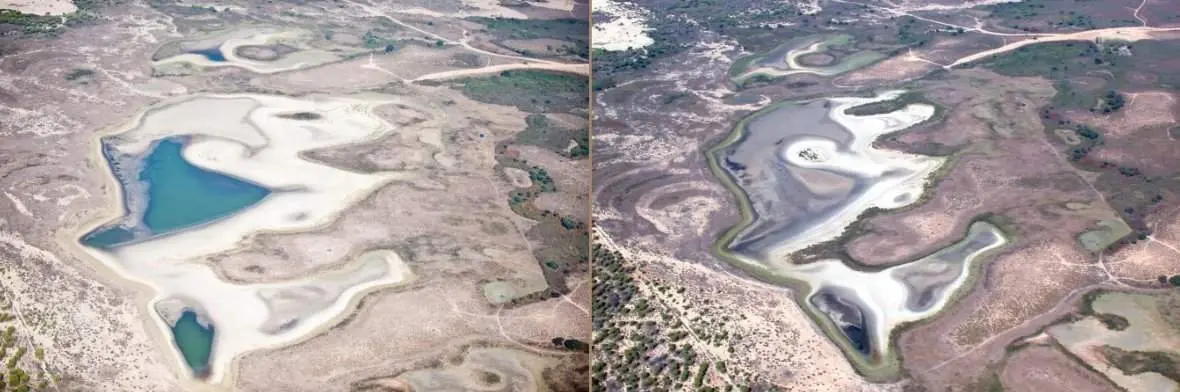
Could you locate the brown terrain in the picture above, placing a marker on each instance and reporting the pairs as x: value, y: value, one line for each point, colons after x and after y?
x: 999, y: 123
x: 451, y: 223
x: 1046, y: 368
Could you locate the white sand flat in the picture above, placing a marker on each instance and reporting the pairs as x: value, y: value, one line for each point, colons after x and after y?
x: 247, y: 140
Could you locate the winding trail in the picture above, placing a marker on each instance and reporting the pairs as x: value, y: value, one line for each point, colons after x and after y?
x: 1064, y: 301
x: 463, y: 42
x: 581, y: 69
x: 910, y: 55
x: 566, y: 298
x: 1136, y: 13
x: 978, y: 29
x: 1121, y: 33
x: 500, y: 327
x: 522, y: 62
x: 373, y: 66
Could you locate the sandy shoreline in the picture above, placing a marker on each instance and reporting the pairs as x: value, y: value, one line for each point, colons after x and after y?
x: 147, y: 293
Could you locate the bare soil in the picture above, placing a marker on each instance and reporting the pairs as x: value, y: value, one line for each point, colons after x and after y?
x: 1045, y: 368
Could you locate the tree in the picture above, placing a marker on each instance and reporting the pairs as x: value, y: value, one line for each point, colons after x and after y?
x: 575, y: 345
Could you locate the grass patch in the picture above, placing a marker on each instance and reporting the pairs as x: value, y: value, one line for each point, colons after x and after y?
x: 79, y: 73
x: 31, y: 24
x: 563, y: 239
x: 574, y: 31
x: 1113, y: 322
x: 372, y: 40
x: 543, y: 133
x: 1090, y: 139
x: 1107, y: 233
x: 305, y: 116
x: 568, y: 29
x: 987, y: 383
x: 911, y: 32
x: 1065, y: 62
x: 1137, y: 362
x: 740, y: 66
x: 531, y: 91
x: 542, y: 179
x: 1111, y: 102
x: 1070, y: 98
x: 1055, y: 60
x: 539, y: 131
x: 43, y: 25
x: 1021, y: 10
x: 1068, y: 15
x: 18, y: 18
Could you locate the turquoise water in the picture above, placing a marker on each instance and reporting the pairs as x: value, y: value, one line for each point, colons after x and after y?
x: 213, y: 54
x: 108, y: 237
x: 195, y: 342
x: 180, y: 195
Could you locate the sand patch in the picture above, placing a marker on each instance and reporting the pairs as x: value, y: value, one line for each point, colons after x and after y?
x: 625, y: 26
x: 39, y: 7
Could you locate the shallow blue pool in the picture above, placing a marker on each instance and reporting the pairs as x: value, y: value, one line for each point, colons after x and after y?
x: 179, y: 196
x: 195, y: 342
x: 213, y: 54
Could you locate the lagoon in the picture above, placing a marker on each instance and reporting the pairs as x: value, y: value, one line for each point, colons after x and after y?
x: 195, y: 185
x: 195, y: 342
x: 213, y: 54
x: 803, y: 173
x: 179, y: 195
